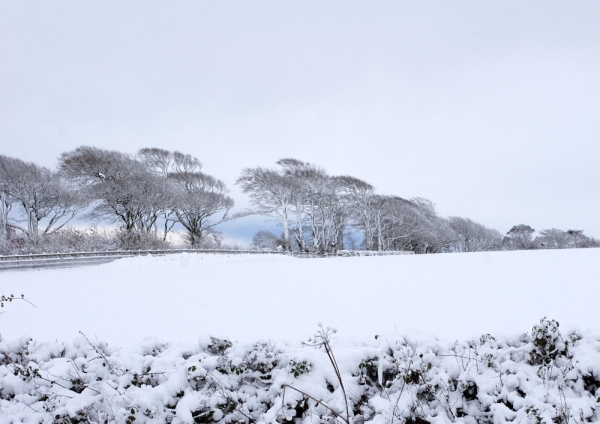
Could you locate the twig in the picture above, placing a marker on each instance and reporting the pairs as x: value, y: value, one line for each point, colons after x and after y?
x: 12, y: 297
x: 29, y: 406
x: 322, y: 339
x: 339, y: 376
x: 81, y: 378
x: 333, y: 411
x: 99, y: 352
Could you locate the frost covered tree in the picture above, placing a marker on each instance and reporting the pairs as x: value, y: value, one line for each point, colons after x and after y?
x: 319, y: 211
x: 305, y: 200
x: 46, y: 200
x: 155, y: 185
x: 197, y: 201
x: 395, y: 223
x: 474, y: 237
x: 412, y: 225
x: 264, y: 239
x: 552, y: 239
x: 270, y: 192
x: 6, y: 201
x: 520, y: 237
x: 578, y: 240
x: 201, y: 203
x: 194, y: 198
x: 362, y: 205
x: 163, y: 163
x: 123, y: 189
x: 559, y: 239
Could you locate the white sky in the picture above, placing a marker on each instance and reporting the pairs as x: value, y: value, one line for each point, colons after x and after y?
x: 489, y: 109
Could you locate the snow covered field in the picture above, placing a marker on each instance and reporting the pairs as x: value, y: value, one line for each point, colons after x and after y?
x: 252, y: 297
x: 404, y: 376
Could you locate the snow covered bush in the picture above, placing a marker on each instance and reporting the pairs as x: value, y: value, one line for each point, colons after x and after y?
x: 540, y: 377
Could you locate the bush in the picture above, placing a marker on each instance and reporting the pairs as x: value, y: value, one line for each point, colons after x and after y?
x: 217, y: 381
x: 139, y: 240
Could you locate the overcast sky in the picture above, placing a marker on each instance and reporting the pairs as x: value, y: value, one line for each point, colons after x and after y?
x: 489, y: 109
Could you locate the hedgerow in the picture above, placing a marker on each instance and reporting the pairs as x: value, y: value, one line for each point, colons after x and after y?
x: 540, y: 376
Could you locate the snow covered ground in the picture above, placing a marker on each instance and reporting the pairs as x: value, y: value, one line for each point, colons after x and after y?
x: 178, y: 298
x: 405, y: 376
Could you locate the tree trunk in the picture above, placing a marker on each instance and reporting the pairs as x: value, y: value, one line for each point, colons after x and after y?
x: 33, y: 227
x: 286, y: 230
x: 3, y: 218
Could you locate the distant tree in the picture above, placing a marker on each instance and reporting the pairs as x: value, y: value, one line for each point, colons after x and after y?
x: 116, y: 181
x: 202, y: 202
x: 577, y: 239
x: 162, y: 163
x: 396, y: 221
x: 6, y: 200
x: 46, y: 199
x: 318, y: 206
x: 317, y: 209
x: 432, y: 233
x: 552, y: 239
x: 559, y: 239
x: 138, y: 191
x: 362, y: 206
x: 270, y: 192
x: 265, y: 240
x: 474, y: 237
x: 194, y: 199
x: 520, y: 237
x: 401, y: 224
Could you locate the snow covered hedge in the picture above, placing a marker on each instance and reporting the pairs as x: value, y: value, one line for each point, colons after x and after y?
x: 541, y: 376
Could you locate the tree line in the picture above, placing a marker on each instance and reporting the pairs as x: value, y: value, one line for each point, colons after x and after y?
x: 149, y: 193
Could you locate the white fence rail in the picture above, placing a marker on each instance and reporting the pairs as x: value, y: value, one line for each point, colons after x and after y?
x: 66, y: 260
x: 72, y: 259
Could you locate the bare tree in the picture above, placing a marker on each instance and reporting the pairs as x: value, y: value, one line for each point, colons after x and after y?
x: 474, y: 237
x: 435, y: 235
x: 154, y: 185
x: 159, y: 160
x: 359, y: 196
x: 559, y: 239
x: 200, y: 199
x: 125, y: 190
x: 578, y: 240
x: 6, y: 200
x: 314, y: 207
x: 270, y: 194
x: 400, y: 224
x: 110, y: 178
x: 319, y: 206
x: 45, y: 197
x: 6, y: 203
x: 265, y: 240
x: 520, y: 237
x: 310, y: 185
x: 161, y: 163
x: 396, y: 221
